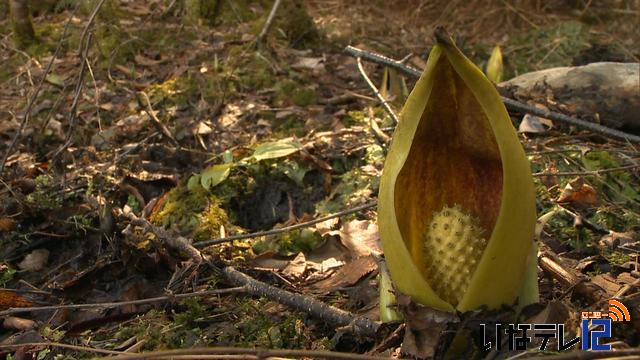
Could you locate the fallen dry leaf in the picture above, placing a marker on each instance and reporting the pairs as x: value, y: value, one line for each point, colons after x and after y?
x: 578, y: 193
x: 607, y: 283
x: 6, y: 224
x: 615, y: 239
x: 348, y: 275
x: 145, y: 61
x: 361, y: 237
x: 12, y: 322
x: 310, y: 63
x: 425, y: 328
x: 531, y: 125
x: 35, y: 261
x: 9, y: 299
x: 270, y: 260
x: 296, y: 267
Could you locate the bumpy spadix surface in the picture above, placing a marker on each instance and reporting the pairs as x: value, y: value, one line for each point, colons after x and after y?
x: 453, y: 244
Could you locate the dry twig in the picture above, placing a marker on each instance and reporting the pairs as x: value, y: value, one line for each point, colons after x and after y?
x: 584, y: 173
x: 329, y: 314
x: 283, y: 230
x: 156, y: 122
x: 254, y: 353
x: 375, y: 90
x: 510, y: 104
x: 267, y: 24
x: 62, y: 346
x: 105, y: 305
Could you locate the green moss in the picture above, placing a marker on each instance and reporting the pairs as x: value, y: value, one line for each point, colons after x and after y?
x: 133, y: 203
x: 173, y: 92
x: 257, y: 329
x: 619, y: 186
x: 148, y: 327
x: 289, y: 93
x: 354, y: 186
x: 291, y: 243
x: 354, y: 117
x: 617, y: 258
x: 297, y: 25
x: 256, y: 72
x: 195, y: 212
x: 210, y: 221
x: 194, y: 310
x: 43, y: 197
x: 9, y: 69
x: 284, y: 90
x: 6, y: 274
x: 109, y: 39
x: 304, y: 97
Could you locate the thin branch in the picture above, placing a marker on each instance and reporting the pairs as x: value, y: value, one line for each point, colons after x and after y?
x: 584, y: 173
x: 514, y: 105
x: 83, y: 52
x: 329, y: 314
x: 12, y: 311
x: 175, y: 242
x: 156, y: 122
x: 73, y: 113
x: 510, y: 104
x: 531, y: 152
x: 267, y: 24
x: 258, y: 353
x: 92, y: 17
x: 587, y: 355
x: 375, y: 90
x: 579, y: 219
x: 63, y: 346
x: 227, y: 239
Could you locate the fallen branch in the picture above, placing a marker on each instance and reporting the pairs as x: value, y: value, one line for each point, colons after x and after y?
x: 510, y: 104
x: 587, y: 355
x: 570, y: 280
x: 73, y: 111
x: 584, y: 173
x: 175, y: 242
x: 283, y: 230
x: 253, y: 352
x: 106, y: 305
x: 62, y: 346
x: 331, y: 315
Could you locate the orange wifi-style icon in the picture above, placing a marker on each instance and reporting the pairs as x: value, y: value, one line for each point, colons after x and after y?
x: 617, y: 311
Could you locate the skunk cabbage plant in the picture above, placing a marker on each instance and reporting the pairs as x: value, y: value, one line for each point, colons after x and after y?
x: 495, y: 67
x: 456, y: 207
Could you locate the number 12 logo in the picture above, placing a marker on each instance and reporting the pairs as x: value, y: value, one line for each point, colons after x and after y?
x: 590, y: 337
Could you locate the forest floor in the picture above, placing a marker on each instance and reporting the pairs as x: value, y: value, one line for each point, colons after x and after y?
x: 158, y: 130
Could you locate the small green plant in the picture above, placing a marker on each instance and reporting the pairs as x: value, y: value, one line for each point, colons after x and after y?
x: 6, y: 274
